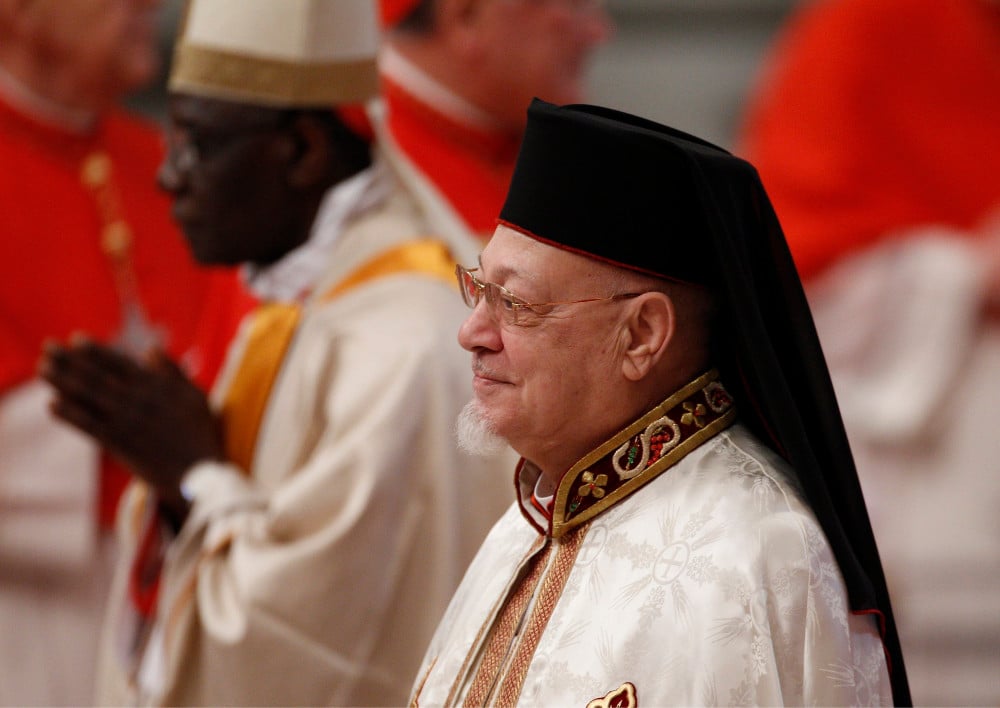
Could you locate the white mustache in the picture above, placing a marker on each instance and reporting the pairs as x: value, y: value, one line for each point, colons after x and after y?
x: 481, y: 369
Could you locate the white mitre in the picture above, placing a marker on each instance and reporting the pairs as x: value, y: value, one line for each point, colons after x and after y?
x: 278, y: 52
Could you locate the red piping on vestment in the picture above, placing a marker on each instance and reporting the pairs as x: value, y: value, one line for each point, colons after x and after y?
x: 881, y: 631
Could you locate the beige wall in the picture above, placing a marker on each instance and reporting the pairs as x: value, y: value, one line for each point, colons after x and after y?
x: 687, y: 63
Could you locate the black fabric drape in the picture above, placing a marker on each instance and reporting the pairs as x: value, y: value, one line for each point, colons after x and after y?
x: 660, y: 201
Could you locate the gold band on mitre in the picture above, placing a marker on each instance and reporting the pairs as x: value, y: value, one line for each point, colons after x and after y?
x: 227, y: 75
x: 279, y: 53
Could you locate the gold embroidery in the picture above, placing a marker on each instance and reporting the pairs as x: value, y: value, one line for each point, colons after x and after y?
x: 592, y: 484
x: 504, y: 633
x: 485, y: 629
x: 695, y: 414
x: 320, y: 83
x: 552, y: 585
x: 645, y: 444
x: 642, y: 451
x: 621, y: 697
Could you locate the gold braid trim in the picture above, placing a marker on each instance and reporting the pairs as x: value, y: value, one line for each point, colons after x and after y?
x: 504, y: 633
x: 642, y: 451
x: 220, y: 74
x: 566, y: 550
x: 483, y: 633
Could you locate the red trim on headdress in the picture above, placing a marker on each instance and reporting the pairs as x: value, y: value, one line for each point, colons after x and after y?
x: 588, y: 254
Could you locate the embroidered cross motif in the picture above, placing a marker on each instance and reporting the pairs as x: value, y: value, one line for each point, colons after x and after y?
x: 592, y: 485
x: 695, y: 414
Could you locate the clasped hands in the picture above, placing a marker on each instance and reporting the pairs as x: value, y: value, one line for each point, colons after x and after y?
x: 147, y: 412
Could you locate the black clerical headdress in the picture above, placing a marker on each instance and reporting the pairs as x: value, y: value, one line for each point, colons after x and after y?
x: 646, y: 197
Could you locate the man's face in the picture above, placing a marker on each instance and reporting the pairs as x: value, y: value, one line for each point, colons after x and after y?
x: 105, y: 47
x: 543, y: 384
x: 226, y: 168
x: 530, y: 48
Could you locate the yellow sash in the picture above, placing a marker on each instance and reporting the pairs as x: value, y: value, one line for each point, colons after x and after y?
x: 271, y: 333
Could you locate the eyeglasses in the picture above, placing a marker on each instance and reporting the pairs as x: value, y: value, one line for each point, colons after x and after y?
x: 506, y: 307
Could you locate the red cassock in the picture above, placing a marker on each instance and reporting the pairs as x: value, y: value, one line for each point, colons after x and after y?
x: 900, y: 131
x: 470, y: 166
x: 84, y: 225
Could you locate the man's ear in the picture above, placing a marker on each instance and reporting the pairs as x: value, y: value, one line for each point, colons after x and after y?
x: 650, y: 327
x: 311, y: 152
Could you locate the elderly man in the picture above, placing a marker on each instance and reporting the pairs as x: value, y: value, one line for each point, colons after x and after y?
x: 302, y: 555
x: 457, y: 76
x: 689, y: 528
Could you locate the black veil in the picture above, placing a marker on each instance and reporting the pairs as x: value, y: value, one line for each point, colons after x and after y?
x: 656, y: 200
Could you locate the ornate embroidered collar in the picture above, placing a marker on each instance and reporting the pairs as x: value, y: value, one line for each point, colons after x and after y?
x: 641, y: 452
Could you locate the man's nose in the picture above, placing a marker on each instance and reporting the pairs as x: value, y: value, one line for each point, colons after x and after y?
x: 480, y: 329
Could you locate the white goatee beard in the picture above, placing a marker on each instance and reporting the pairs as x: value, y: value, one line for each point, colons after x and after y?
x: 475, y: 433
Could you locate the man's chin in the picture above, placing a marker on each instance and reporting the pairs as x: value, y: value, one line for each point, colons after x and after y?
x: 475, y: 432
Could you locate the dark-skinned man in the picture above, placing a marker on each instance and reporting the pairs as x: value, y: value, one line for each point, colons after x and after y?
x: 293, y: 540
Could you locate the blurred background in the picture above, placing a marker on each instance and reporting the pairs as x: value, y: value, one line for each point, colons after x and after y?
x: 687, y: 63
x: 694, y: 65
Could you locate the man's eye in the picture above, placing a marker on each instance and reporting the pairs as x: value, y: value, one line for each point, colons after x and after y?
x: 508, y: 302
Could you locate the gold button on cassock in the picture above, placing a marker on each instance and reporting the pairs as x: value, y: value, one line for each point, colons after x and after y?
x: 116, y: 239
x: 96, y: 169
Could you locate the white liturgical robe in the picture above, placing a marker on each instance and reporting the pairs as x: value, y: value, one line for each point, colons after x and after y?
x: 315, y: 573
x: 681, y: 566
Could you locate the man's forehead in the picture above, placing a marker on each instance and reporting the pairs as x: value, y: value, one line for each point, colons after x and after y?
x: 509, y: 250
x: 210, y: 112
x: 512, y: 254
